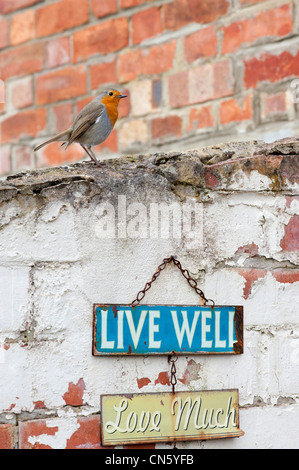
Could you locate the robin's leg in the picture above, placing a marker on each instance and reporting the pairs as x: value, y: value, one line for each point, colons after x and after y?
x: 89, y: 154
x: 95, y: 158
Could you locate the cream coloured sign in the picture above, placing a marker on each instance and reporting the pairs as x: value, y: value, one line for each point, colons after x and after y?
x: 162, y: 417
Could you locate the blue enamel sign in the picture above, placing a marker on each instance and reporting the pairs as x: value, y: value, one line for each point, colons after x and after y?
x: 164, y: 329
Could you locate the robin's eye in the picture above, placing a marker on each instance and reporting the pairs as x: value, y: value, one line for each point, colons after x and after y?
x: 110, y: 93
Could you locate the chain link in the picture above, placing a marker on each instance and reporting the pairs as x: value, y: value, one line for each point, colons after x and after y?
x: 172, y: 360
x: 192, y: 282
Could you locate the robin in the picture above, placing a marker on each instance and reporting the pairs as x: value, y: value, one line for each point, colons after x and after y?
x: 92, y: 125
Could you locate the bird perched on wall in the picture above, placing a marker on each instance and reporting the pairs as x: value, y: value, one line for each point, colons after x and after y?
x: 92, y: 125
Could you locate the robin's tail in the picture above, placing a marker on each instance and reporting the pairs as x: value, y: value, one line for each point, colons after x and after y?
x: 65, y: 135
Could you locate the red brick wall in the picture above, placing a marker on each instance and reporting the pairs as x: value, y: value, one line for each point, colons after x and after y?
x: 195, y: 70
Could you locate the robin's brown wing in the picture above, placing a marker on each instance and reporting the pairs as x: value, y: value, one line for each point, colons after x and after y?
x: 87, y: 116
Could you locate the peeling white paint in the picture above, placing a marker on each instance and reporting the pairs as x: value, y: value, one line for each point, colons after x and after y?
x: 66, y: 428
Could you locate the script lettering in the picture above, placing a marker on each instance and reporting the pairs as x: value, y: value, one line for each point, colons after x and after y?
x: 133, y: 422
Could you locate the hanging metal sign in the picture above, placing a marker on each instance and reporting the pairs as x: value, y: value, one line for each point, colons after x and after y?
x: 168, y: 417
x: 166, y: 329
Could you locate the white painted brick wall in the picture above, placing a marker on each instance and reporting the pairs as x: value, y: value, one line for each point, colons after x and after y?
x: 54, y: 266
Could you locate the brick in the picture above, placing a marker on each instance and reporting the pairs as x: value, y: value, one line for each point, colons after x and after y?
x: 6, y: 6
x: 61, y: 85
x: 151, y: 61
x: 210, y: 81
x: 223, y: 79
x: 7, y: 436
x: 157, y: 92
x: 181, y: 12
x: 163, y: 379
x: 202, y: 83
x: 62, y: 117
x: 3, y: 33
x: 130, y: 3
x: 276, y: 22
x: 146, y: 24
x: 22, y: 158
x: 143, y: 382
x: 102, y: 38
x: 29, y: 430
x: 286, y: 276
x: 130, y: 65
x: 74, y: 395
x: 100, y: 8
x: 88, y: 434
x: 58, y: 52
x: 124, y: 106
x: 233, y: 110
x: 103, y: 73
x: 22, y: 60
x: 158, y: 59
x: 270, y: 67
x: 250, y: 276
x: 203, y: 43
x: 22, y: 27
x: 54, y: 154
x: 251, y: 2
x: 273, y: 104
x: 4, y: 159
x: 290, y: 241
x: 178, y: 89
x: 133, y: 133
x: 22, y: 92
x: 289, y: 171
x: 200, y: 118
x: 290, y: 200
x: 170, y: 126
x: 141, y: 97
x: 60, y: 16
x: 26, y: 123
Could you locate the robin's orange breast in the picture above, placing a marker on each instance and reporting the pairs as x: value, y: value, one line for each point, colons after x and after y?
x: 112, y: 113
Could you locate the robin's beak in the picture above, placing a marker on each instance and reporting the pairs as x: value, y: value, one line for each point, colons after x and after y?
x: 122, y: 96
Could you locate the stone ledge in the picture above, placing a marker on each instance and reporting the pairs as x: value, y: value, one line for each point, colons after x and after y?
x: 235, y: 166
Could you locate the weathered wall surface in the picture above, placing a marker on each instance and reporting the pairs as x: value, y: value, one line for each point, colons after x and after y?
x: 195, y: 71
x: 56, y: 263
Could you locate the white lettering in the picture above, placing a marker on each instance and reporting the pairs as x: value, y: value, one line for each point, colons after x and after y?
x: 218, y: 342
x: 105, y: 344
x: 137, y: 226
x: 110, y: 426
x: 133, y: 422
x: 153, y: 328
x: 120, y: 329
x: 181, y: 408
x: 135, y: 334
x: 205, y: 329
x: 180, y: 332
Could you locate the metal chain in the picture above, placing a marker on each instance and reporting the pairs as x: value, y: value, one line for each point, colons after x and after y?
x: 173, y: 380
x: 192, y: 282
